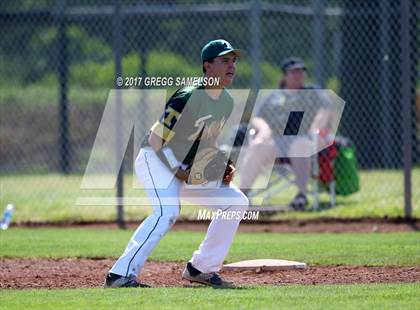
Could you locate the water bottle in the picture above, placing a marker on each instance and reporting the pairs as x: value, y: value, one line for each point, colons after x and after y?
x: 7, y: 216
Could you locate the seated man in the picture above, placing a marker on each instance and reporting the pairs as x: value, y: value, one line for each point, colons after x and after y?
x: 271, y: 117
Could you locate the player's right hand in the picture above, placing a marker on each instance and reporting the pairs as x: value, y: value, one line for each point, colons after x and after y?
x: 182, y: 174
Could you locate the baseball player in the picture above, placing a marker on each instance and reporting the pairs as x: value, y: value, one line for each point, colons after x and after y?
x: 190, y: 124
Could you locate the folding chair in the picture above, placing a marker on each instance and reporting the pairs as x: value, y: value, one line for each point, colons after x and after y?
x: 322, y: 179
x: 283, y: 177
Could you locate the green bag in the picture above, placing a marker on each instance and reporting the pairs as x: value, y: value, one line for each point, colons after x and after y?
x: 345, y: 171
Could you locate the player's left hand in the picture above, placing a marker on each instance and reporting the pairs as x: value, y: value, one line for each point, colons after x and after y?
x: 229, y: 174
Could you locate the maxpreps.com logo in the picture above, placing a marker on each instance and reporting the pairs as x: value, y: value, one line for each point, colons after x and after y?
x: 206, y: 215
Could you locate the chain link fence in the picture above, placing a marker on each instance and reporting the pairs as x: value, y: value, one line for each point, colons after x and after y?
x: 59, y: 60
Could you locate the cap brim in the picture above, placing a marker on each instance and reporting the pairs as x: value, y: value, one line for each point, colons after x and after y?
x: 238, y: 53
x: 296, y: 66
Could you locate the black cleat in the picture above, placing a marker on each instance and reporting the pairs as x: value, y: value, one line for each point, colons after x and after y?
x: 113, y: 280
x: 212, y: 279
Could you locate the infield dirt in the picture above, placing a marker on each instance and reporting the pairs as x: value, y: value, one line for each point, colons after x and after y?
x: 90, y: 273
x: 25, y: 273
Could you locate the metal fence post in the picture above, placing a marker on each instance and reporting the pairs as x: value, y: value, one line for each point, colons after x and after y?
x: 318, y: 41
x: 117, y: 42
x: 406, y: 102
x: 386, y: 31
x: 142, y: 108
x: 255, y: 20
x: 63, y: 119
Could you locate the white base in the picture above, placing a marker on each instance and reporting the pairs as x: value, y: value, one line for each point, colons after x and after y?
x: 265, y: 265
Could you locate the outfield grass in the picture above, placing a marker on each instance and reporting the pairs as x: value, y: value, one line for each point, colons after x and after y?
x: 376, y: 249
x: 372, y: 296
x: 381, y: 194
x: 52, y: 197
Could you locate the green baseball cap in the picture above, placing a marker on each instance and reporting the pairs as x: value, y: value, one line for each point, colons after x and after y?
x: 217, y: 48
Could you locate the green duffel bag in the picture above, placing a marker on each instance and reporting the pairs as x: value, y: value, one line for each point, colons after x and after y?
x: 345, y: 171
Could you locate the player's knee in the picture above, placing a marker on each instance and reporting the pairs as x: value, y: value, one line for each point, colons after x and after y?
x: 170, y: 221
x: 170, y: 211
x: 299, y: 146
x: 168, y: 217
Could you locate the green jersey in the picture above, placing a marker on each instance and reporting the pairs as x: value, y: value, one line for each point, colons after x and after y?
x: 192, y: 118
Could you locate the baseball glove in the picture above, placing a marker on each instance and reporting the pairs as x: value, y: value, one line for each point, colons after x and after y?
x: 210, y: 164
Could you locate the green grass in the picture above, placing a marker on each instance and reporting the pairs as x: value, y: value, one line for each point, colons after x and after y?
x: 52, y: 197
x: 381, y: 194
x: 377, y: 249
x: 372, y: 296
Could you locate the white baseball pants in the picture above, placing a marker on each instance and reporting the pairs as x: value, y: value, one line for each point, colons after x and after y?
x: 165, y: 191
